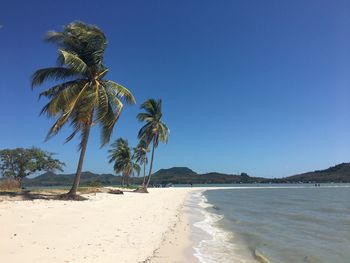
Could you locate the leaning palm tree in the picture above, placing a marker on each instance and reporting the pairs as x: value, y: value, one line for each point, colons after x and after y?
x: 140, y: 155
x: 154, y: 131
x: 120, y: 154
x: 83, y: 97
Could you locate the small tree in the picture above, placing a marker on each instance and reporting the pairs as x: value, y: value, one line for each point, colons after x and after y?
x: 154, y: 130
x: 20, y: 162
x: 140, y: 155
x: 122, y: 157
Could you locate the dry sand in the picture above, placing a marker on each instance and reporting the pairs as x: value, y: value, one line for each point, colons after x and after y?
x: 177, y: 246
x: 131, y: 228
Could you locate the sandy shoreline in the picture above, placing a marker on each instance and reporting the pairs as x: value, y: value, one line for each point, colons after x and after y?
x: 106, y: 228
x: 177, y: 245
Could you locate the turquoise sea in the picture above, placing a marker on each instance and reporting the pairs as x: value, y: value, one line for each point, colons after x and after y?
x: 277, y: 223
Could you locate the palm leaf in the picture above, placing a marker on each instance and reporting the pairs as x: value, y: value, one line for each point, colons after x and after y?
x: 73, y: 62
x: 109, y: 120
x: 102, y: 103
x: 120, y: 91
x: 55, y: 90
x: 62, y: 99
x: 163, y: 132
x: 55, y: 73
x: 143, y: 116
x: 65, y: 115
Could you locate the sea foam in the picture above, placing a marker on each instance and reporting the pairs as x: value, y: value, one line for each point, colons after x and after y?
x: 219, y: 246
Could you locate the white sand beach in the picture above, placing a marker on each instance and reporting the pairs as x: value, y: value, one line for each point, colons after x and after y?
x: 132, y: 227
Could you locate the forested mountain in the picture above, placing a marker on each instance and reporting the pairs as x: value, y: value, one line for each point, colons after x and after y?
x: 183, y: 175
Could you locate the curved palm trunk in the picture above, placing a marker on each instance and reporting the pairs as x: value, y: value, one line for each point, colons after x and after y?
x: 73, y: 190
x: 150, y: 166
x: 144, y: 174
x: 128, y: 181
x: 122, y: 182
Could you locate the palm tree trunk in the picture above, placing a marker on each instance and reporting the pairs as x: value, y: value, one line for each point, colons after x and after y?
x: 150, y: 166
x: 144, y: 174
x: 73, y: 190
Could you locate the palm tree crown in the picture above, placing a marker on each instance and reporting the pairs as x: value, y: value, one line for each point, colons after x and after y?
x: 154, y: 129
x: 140, y: 152
x: 85, y: 96
x: 120, y: 154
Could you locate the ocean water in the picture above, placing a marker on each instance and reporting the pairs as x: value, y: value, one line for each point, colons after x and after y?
x: 272, y: 224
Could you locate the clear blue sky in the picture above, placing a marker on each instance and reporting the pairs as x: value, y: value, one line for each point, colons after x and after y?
x: 256, y: 86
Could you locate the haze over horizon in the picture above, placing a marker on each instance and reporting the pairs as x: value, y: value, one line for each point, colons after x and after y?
x: 247, y: 86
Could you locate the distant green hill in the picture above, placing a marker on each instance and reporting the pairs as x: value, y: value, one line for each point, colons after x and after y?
x: 87, y: 178
x: 183, y: 175
x: 176, y: 170
x: 338, y: 174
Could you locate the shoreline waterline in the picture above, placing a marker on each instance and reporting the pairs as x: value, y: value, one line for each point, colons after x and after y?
x: 178, y: 244
x: 194, y: 232
x: 212, y: 243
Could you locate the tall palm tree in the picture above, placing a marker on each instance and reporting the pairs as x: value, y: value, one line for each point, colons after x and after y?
x: 83, y: 97
x: 154, y: 131
x: 140, y: 155
x: 120, y: 153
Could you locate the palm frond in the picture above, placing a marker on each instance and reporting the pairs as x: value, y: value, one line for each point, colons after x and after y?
x: 143, y: 116
x: 87, y: 41
x: 120, y: 91
x: 61, y: 100
x: 140, y: 152
x: 153, y: 107
x: 115, y: 107
x: 65, y: 115
x: 55, y: 90
x: 73, y: 61
x: 154, y: 129
x: 163, y: 132
x: 55, y: 73
x: 120, y: 154
x: 145, y: 132
x: 54, y: 37
x: 103, y: 73
x: 75, y: 131
x: 102, y: 103
x: 137, y: 168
